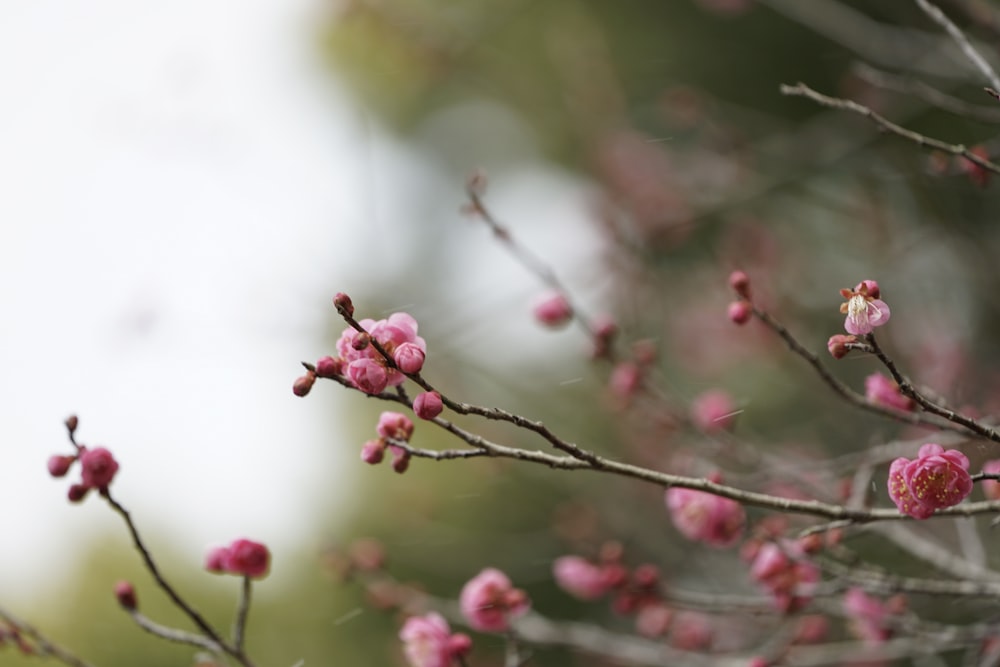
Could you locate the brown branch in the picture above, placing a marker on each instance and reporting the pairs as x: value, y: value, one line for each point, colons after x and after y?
x: 956, y: 33
x: 42, y: 645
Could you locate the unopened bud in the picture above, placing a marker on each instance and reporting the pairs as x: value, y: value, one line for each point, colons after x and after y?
x: 71, y: 423
x: 125, y: 594
x: 328, y: 367
x: 304, y: 384
x: 77, y: 492
x: 373, y: 451
x: 361, y: 340
x: 740, y: 283
x: 838, y: 345
x: 59, y: 465
x: 428, y: 405
x: 343, y: 304
x: 739, y: 312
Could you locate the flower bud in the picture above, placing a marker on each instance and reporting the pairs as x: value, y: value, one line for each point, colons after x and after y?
x: 409, y: 358
x: 304, y: 384
x: 361, y: 340
x: 400, y: 459
x: 99, y: 467
x: 373, y: 451
x: 125, y: 594
x: 60, y: 465
x: 71, y: 423
x: 739, y: 312
x: 740, y: 283
x: 554, y: 311
x: 328, y: 367
x: 838, y: 345
x: 77, y: 492
x: 428, y: 405
x: 343, y: 304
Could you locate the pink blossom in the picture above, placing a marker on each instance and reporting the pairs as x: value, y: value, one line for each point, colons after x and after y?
x: 99, y: 468
x: 580, y: 578
x: 409, y: 358
x: 739, y: 282
x: 428, y: 405
x: 785, y: 573
x: 864, y: 309
x: 60, y: 465
x: 625, y: 379
x: 394, y: 425
x: 328, y: 367
x: 653, y: 620
x: 243, y: 557
x: 881, y: 390
x: 691, y: 631
x: 935, y: 479
x: 867, y: 616
x: 705, y: 517
x: 428, y: 641
x: 400, y: 459
x: 366, y: 368
x: 373, y: 451
x: 215, y: 559
x: 991, y: 488
x: 838, y: 345
x: 489, y: 599
x: 554, y: 310
x: 713, y: 411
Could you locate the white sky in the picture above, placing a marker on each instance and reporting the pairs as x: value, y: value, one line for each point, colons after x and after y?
x: 180, y: 182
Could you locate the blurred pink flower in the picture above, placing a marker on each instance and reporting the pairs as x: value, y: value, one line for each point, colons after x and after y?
x: 705, y: 517
x: 881, y: 390
x: 580, y: 578
x: 429, y: 642
x: 489, y: 599
x: 713, y: 411
x: 866, y: 615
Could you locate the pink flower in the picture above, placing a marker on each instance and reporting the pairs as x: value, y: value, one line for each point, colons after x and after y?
x: 864, y: 309
x: 489, y: 599
x: 626, y: 377
x: 867, y: 616
x: 713, y: 411
x: 935, y: 479
x: 785, y: 573
x: 580, y: 578
x: 428, y: 405
x: 554, y: 310
x: 991, y: 488
x: 366, y: 368
x: 60, y: 465
x: 881, y: 390
x: 99, y: 468
x: 428, y: 641
x: 692, y: 631
x: 394, y: 425
x: 705, y: 517
x: 739, y: 312
x: 243, y: 557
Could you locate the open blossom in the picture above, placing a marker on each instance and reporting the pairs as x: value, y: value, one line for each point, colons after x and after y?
x: 935, y: 479
x: 429, y: 642
x: 366, y: 368
x: 864, y: 309
x: 489, y: 600
x: 881, y: 390
x: 705, y: 517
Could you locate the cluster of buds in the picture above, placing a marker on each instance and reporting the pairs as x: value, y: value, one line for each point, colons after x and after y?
x: 783, y: 570
x: 741, y: 310
x: 97, y: 466
x: 242, y: 557
x: 869, y: 618
x: 391, y: 426
x: 361, y: 362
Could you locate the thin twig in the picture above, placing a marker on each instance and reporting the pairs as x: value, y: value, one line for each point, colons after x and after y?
x: 42, y: 645
x: 802, y: 90
x: 242, y: 610
x: 927, y: 93
x: 175, y: 635
x: 963, y: 42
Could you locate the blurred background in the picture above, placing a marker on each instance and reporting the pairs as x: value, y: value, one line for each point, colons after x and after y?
x: 186, y: 185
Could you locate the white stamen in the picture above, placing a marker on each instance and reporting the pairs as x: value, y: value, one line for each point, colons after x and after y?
x: 857, y: 310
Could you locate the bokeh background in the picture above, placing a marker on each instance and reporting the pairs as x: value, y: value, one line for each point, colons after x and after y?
x: 186, y: 185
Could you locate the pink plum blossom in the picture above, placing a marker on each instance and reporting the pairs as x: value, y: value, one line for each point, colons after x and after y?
x: 991, y: 488
x: 867, y: 616
x: 365, y: 367
x: 428, y: 405
x: 705, y: 517
x: 489, y: 600
x: 394, y: 425
x: 98, y: 468
x: 864, y: 309
x: 937, y: 478
x: 713, y: 411
x: 785, y: 573
x: 580, y: 578
x: 429, y: 642
x: 881, y: 390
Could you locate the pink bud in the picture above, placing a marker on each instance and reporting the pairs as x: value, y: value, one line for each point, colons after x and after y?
x: 99, y: 467
x: 838, y: 345
x: 713, y: 411
x: 77, y: 492
x: 400, y: 459
x: 248, y: 558
x: 60, y: 465
x: 625, y: 379
x: 653, y: 620
x: 215, y: 559
x: 554, y: 311
x: 373, y: 451
x: 125, y: 594
x: 328, y: 367
x: 409, y: 358
x: 361, y: 340
x: 394, y: 425
x: 343, y: 304
x: 428, y: 405
x: 579, y: 577
x: 368, y: 375
x: 739, y: 282
x: 739, y: 312
x: 71, y: 423
x: 304, y: 384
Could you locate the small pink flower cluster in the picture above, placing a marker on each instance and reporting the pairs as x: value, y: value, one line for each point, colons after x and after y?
x: 881, y: 390
x: 713, y: 411
x: 489, y: 600
x: 784, y: 571
x: 937, y: 478
x: 864, y: 309
x: 706, y: 517
x: 394, y: 426
x: 243, y: 557
x: 97, y: 470
x: 429, y: 642
x: 741, y: 310
x: 366, y: 368
x: 867, y: 616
